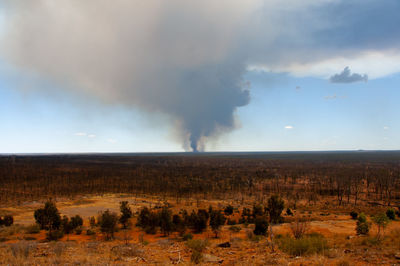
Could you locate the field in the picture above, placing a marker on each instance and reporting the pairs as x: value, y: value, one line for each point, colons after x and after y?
x: 319, y: 188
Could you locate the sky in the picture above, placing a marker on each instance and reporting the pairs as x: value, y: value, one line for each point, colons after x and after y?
x: 101, y: 76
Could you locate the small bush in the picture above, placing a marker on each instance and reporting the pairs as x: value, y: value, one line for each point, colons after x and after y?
x: 54, y: 235
x: 197, y: 244
x: 187, y: 236
x: 299, y: 228
x: 90, y: 232
x: 289, y: 212
x: 390, y: 213
x: 308, y: 245
x: 33, y: 229
x: 231, y: 222
x: 362, y: 227
x: 235, y: 228
x: 353, y: 215
x: 29, y: 238
x: 78, y: 230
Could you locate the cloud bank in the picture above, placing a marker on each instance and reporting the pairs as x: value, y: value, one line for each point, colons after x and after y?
x: 346, y: 77
x: 186, y: 59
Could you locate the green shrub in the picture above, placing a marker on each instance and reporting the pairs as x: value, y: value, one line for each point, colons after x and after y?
x: 308, y: 245
x: 362, y: 227
x: 32, y: 229
x: 391, y: 214
x: 353, y: 215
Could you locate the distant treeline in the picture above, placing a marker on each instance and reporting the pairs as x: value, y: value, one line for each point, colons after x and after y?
x: 350, y: 177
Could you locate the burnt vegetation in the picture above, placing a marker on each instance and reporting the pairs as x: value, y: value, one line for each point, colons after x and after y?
x: 348, y: 177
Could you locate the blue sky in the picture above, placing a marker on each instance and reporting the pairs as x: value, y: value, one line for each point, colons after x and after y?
x: 113, y: 86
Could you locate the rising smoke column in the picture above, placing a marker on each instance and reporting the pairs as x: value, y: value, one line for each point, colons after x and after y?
x: 176, y: 57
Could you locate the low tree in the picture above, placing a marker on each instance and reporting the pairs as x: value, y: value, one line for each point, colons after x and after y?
x: 48, y: 217
x: 381, y: 221
x: 200, y: 220
x: 76, y: 221
x: 275, y: 207
x: 66, y: 225
x: 126, y: 214
x: 217, y: 219
x: 165, y: 221
x: 178, y: 224
x: 108, y: 223
x: 261, y: 225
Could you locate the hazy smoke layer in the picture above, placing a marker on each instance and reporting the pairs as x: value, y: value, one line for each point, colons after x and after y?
x: 173, y: 57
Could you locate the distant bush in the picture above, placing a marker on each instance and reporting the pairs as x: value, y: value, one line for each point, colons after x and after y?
x: 235, y: 228
x: 8, y: 220
x: 78, y: 230
x: 90, y: 232
x: 353, y: 215
x: 187, y: 236
x: 231, y: 222
x: 32, y: 229
x: 391, y: 214
x: 308, y: 245
x: 228, y: 210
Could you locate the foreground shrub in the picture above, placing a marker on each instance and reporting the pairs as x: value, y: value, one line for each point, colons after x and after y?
x: 299, y: 228
x: 54, y: 235
x: 308, y: 245
x: 261, y: 227
x: 197, y: 246
x: 391, y: 214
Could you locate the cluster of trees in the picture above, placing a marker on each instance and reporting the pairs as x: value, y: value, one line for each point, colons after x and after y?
x: 349, y: 177
x: 381, y: 220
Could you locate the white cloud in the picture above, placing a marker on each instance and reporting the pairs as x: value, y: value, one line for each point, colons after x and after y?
x: 386, y: 128
x: 288, y: 127
x: 80, y: 134
x: 112, y: 141
x: 91, y: 136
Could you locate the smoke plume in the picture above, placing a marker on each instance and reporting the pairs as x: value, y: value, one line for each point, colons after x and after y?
x: 170, y: 57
